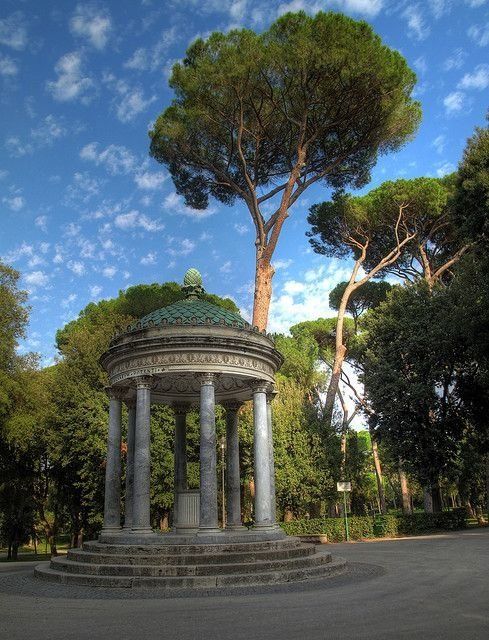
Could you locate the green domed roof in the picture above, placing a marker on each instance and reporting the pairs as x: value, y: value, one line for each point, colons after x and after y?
x: 191, y: 311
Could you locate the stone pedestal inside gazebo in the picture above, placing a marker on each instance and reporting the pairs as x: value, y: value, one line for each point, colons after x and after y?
x: 191, y: 354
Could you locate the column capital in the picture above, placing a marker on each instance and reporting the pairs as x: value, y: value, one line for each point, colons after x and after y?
x: 207, y: 378
x: 260, y: 386
x: 232, y: 406
x: 271, y: 393
x: 181, y: 408
x: 116, y: 393
x: 143, y: 382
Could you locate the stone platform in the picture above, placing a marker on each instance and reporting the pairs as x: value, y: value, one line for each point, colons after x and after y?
x: 183, y: 566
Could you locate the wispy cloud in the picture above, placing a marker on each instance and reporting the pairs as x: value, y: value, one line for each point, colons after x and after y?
x: 92, y: 23
x: 479, y: 34
x: 417, y: 26
x: 454, y: 102
x: 153, y: 58
x: 8, y: 66
x: 175, y: 204
x: 72, y: 82
x: 13, y: 32
x: 116, y: 159
x: 134, y: 219
x: 478, y: 79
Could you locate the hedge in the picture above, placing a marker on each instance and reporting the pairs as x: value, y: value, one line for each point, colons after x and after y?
x: 362, y: 527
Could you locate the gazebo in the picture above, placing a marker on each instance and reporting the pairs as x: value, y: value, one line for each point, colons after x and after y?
x: 190, y: 354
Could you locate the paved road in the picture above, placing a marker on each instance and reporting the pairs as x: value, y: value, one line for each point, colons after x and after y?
x: 430, y: 588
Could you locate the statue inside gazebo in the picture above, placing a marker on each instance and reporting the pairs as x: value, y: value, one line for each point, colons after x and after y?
x: 190, y: 355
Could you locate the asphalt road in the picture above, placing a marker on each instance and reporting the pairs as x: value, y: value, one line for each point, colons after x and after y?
x: 435, y: 587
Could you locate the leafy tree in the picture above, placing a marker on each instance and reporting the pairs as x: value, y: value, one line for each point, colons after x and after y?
x: 392, y: 228
x: 472, y: 187
x: 261, y: 117
x: 369, y: 296
x: 410, y: 376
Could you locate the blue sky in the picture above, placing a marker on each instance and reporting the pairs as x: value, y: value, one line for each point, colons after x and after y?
x: 84, y: 210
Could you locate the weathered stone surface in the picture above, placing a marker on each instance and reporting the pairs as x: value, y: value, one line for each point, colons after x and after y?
x: 190, y: 566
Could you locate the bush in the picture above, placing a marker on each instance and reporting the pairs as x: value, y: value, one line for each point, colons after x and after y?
x: 359, y: 526
x: 362, y: 527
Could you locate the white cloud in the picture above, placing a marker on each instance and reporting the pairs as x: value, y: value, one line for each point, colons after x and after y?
x: 35, y: 261
x: 109, y: 272
x: 454, y: 101
x: 241, y: 228
x: 445, y: 169
x: 71, y: 83
x: 479, y: 34
x: 226, y: 267
x: 183, y: 248
x: 153, y: 58
x: 69, y: 300
x: 439, y: 143
x: 440, y: 7
x: 134, y: 219
x: 18, y: 149
x: 295, y: 301
x: 281, y: 264
x: 82, y: 189
x: 91, y: 23
x: 149, y: 258
x: 95, y: 290
x: 78, y: 268
x: 416, y: 23
x: 14, y: 203
x: 478, y: 79
x: 23, y: 251
x: 455, y: 61
x: 175, y: 204
x: 41, y: 222
x: 13, y: 32
x: 420, y: 64
x: 149, y: 181
x: 8, y: 66
x: 116, y: 159
x: 51, y: 129
x: 44, y: 247
x: 36, y: 279
x: 475, y: 3
x: 132, y: 104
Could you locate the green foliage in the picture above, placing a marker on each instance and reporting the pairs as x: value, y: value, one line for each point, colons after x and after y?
x: 368, y: 296
x: 360, y: 527
x: 365, y: 527
x: 323, y: 332
x: 383, y: 216
x: 13, y: 315
x: 244, y: 103
x: 472, y: 187
x: 410, y: 366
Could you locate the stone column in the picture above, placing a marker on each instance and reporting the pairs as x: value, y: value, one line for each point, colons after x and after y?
x: 180, y: 455
x: 131, y: 434
x: 270, y: 396
x: 233, y: 482
x: 141, y: 523
x: 208, y: 464
x: 112, y: 505
x: 263, y: 503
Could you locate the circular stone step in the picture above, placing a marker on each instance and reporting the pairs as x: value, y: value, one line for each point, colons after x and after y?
x: 190, y: 566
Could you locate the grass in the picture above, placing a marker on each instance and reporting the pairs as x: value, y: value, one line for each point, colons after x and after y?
x: 26, y: 553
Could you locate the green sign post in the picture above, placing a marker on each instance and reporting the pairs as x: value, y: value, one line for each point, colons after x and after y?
x: 343, y: 487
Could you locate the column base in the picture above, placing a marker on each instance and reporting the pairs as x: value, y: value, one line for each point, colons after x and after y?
x: 236, y: 527
x: 209, y: 531
x: 110, y: 531
x: 143, y: 531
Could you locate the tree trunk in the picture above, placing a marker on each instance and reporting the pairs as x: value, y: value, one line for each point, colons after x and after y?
x: 406, y: 502
x: 15, y: 550
x: 340, y: 353
x: 428, y: 498
x: 487, y: 485
x: 288, y: 515
x: 378, y: 477
x: 263, y: 290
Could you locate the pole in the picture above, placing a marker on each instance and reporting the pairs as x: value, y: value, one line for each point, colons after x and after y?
x: 346, y: 518
x: 223, y: 481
